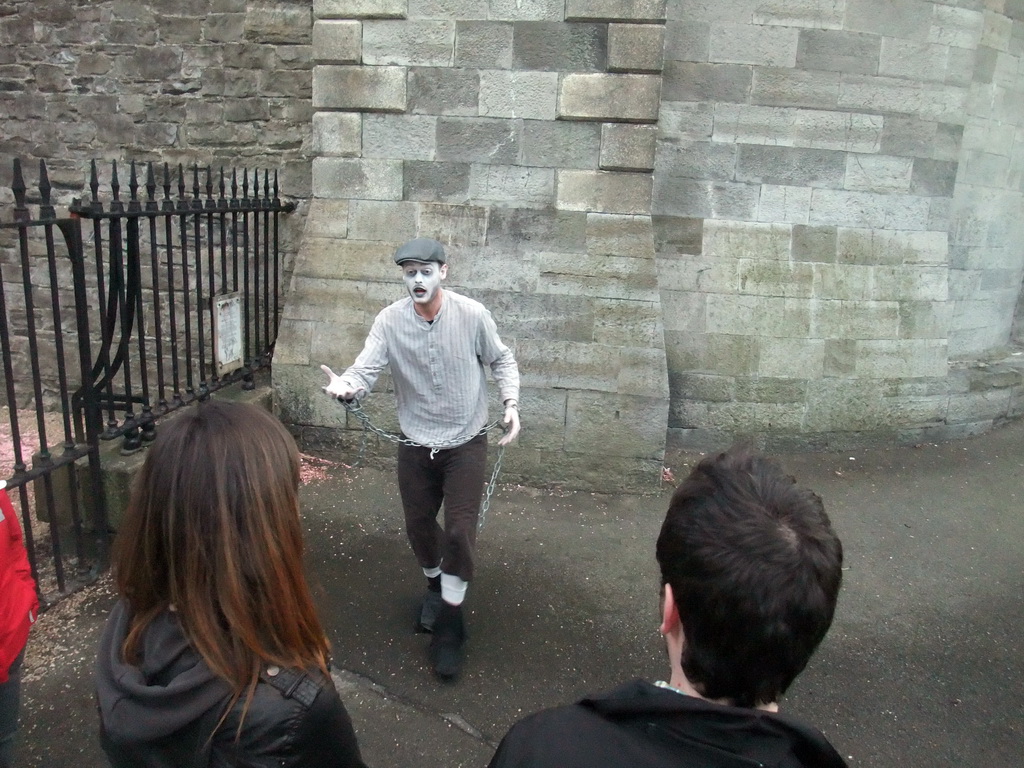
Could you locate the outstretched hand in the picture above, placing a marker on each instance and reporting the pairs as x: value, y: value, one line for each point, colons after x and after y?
x: 512, y: 425
x: 338, y: 388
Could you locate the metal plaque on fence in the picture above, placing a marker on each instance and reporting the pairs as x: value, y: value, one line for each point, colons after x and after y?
x: 227, y: 332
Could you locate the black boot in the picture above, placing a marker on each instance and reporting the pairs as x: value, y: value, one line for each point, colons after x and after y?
x: 448, y: 645
x: 430, y: 607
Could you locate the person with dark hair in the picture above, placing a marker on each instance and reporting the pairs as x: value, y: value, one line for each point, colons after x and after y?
x: 750, y: 572
x: 19, y: 607
x: 215, y: 654
x: 438, y: 345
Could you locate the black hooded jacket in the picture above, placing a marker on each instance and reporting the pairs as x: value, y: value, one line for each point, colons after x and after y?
x: 640, y: 725
x: 161, y: 713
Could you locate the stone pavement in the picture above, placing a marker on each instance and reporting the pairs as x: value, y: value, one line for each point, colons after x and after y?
x: 924, y: 665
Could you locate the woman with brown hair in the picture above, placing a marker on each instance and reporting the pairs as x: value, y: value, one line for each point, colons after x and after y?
x: 215, y: 654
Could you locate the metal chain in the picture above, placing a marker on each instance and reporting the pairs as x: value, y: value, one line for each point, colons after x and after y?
x: 490, y: 488
x: 356, y: 409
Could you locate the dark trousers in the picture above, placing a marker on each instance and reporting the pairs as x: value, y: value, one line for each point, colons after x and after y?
x: 9, y: 694
x: 455, y: 476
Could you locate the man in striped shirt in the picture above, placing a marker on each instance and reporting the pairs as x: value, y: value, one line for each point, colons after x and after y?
x: 438, y: 345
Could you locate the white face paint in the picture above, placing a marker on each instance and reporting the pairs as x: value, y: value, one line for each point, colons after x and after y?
x: 423, y: 280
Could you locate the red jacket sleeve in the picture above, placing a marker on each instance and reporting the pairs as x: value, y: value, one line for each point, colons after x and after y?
x: 19, y: 604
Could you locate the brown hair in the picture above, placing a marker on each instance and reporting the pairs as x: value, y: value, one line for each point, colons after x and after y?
x: 212, y: 530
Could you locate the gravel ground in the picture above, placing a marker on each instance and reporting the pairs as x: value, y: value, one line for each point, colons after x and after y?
x: 924, y: 665
x: 57, y: 680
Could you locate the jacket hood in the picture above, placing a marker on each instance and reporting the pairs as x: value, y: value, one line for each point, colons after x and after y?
x: 767, y: 737
x: 170, y: 688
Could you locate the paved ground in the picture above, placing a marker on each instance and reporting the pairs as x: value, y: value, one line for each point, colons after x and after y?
x: 923, y: 666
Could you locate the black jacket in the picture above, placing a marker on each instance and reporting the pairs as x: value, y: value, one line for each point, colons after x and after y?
x: 640, y: 725
x: 161, y: 714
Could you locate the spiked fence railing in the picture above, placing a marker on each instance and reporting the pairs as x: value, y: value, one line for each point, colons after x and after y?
x: 173, y: 295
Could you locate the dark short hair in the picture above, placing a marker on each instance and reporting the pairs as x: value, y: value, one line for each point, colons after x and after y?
x: 755, y: 569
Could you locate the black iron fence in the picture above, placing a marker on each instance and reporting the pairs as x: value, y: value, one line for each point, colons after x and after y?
x: 126, y: 307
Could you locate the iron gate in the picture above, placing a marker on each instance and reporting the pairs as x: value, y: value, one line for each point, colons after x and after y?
x: 114, y: 315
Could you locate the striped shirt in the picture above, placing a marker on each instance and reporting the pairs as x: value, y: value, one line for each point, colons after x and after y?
x: 437, y: 367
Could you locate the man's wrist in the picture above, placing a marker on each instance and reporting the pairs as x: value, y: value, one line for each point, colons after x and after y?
x: 512, y: 403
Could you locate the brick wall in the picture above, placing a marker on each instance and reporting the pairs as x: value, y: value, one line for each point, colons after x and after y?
x: 220, y: 82
x: 208, y: 82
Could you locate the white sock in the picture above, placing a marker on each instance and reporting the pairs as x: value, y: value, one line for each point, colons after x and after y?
x: 453, y: 589
x: 432, y: 572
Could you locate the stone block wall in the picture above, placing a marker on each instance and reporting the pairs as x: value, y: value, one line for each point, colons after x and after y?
x: 797, y: 222
x: 837, y: 198
x: 986, y: 226
x: 522, y: 136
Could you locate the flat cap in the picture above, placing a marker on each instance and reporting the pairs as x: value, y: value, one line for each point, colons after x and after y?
x: 421, y: 249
